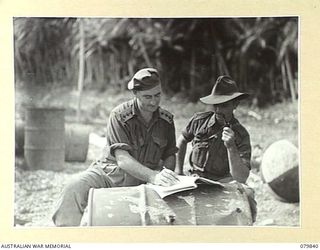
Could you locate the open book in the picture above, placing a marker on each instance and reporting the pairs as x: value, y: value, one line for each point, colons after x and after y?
x: 186, y: 183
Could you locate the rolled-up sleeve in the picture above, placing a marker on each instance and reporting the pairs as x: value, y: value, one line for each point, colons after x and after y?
x: 244, y: 148
x: 117, y: 136
x: 187, y: 132
x: 171, y: 147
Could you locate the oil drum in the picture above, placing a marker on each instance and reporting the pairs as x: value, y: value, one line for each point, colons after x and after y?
x: 44, y: 138
x: 19, y: 137
x: 142, y: 206
x: 76, y: 142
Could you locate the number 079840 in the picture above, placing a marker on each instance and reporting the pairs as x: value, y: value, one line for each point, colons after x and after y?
x: 306, y: 245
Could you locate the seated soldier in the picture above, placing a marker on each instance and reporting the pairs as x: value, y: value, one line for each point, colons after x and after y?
x: 140, y: 143
x: 220, y: 144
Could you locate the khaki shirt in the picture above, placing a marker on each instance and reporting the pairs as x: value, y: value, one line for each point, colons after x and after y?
x: 147, y: 143
x: 209, y: 156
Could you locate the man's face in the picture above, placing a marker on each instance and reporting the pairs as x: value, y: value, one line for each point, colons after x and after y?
x: 149, y: 100
x: 224, y: 111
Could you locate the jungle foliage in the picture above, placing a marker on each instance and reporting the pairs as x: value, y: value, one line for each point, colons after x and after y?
x: 261, y: 54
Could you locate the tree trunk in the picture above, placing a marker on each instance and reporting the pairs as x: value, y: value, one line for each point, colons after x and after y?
x: 81, y: 68
x: 101, y: 68
x: 90, y: 67
x: 290, y: 79
x: 273, y: 86
x: 144, y: 53
x: 283, y: 77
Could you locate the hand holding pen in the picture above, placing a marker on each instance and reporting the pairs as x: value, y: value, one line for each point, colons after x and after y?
x: 166, y: 177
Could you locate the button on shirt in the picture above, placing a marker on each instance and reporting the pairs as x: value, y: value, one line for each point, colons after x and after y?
x: 148, y: 143
x: 209, y: 156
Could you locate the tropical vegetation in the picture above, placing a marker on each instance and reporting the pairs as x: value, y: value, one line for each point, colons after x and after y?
x: 260, y: 53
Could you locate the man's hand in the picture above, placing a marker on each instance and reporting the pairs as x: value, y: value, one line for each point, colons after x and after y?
x: 228, y: 137
x: 166, y: 178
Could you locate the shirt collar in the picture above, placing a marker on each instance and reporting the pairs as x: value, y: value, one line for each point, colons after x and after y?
x: 212, y: 120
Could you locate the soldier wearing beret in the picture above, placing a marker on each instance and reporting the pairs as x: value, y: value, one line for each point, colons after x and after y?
x: 220, y: 144
x: 140, y: 148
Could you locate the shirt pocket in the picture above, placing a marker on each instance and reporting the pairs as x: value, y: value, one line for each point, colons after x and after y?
x: 199, y: 155
x: 158, y: 147
x: 137, y: 145
x: 218, y: 160
x: 221, y: 162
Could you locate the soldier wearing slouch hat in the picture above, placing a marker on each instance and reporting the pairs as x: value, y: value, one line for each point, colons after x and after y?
x: 221, y: 147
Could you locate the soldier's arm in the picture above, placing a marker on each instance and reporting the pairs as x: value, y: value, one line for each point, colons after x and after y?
x: 170, y: 162
x: 182, y: 145
x: 183, y: 140
x: 130, y: 165
x: 239, y: 169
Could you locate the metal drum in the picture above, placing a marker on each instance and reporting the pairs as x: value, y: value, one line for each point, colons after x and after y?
x: 19, y: 137
x: 141, y: 206
x: 76, y: 142
x: 44, y: 139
